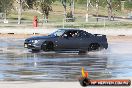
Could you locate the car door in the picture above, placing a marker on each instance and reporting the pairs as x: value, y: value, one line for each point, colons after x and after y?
x: 85, y: 40
x: 68, y: 41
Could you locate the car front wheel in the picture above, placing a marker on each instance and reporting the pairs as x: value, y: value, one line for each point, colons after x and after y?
x: 47, y: 46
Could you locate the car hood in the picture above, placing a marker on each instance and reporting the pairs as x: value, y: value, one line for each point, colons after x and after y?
x: 40, y: 37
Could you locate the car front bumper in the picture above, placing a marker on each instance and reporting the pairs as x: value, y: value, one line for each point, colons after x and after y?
x: 31, y: 46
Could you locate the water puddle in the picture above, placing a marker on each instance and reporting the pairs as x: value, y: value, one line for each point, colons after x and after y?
x: 17, y: 63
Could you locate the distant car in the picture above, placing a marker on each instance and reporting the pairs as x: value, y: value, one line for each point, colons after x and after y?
x: 67, y: 40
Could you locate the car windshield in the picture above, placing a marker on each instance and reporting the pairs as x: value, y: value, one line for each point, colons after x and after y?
x: 57, y: 33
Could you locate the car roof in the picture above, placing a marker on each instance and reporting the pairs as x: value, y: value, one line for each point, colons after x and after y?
x: 70, y: 29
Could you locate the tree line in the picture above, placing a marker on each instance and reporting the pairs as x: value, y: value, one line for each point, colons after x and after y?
x: 45, y: 6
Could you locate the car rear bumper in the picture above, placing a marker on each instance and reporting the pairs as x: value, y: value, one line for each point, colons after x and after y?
x: 105, y: 45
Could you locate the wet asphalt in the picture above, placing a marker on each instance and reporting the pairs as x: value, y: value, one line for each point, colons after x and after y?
x: 20, y: 64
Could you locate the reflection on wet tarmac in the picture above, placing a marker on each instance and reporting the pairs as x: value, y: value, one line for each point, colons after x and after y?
x: 17, y: 63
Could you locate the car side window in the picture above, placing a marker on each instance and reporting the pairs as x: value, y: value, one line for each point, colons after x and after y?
x: 72, y: 34
x: 84, y: 34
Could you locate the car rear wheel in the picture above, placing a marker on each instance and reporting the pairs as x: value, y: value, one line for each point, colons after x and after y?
x: 47, y: 46
x: 93, y: 46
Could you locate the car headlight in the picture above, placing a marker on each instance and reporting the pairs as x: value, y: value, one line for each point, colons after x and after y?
x: 34, y: 41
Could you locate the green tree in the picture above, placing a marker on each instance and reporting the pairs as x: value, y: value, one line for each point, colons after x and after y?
x: 72, y: 7
x: 128, y: 5
x: 30, y: 3
x: 111, y: 5
x: 64, y: 5
x: 6, y: 6
x: 45, y: 7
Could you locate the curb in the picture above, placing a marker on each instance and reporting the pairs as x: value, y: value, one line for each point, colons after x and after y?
x: 120, y: 32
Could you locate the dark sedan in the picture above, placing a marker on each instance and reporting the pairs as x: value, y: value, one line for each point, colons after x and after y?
x: 67, y: 40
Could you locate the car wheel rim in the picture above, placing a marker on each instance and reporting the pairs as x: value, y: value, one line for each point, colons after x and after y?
x: 47, y: 47
x: 94, y: 47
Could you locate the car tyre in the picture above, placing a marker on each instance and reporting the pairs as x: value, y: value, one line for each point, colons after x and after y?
x: 47, y: 46
x: 93, y: 46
